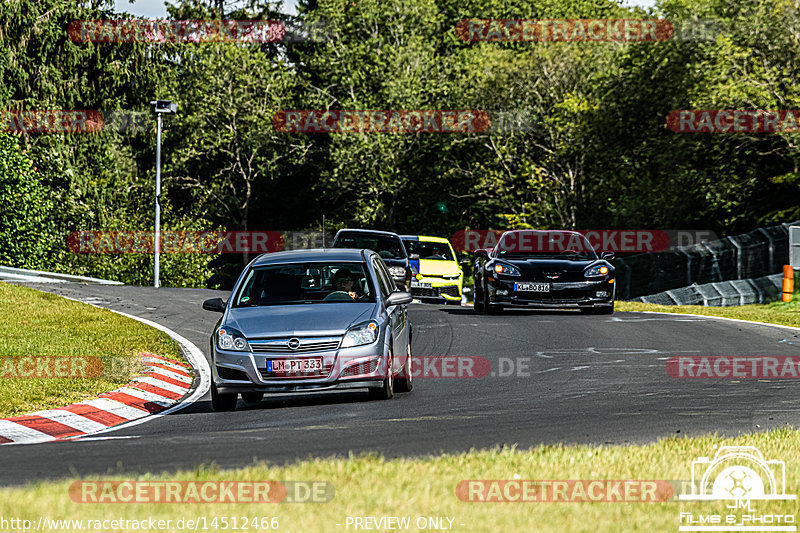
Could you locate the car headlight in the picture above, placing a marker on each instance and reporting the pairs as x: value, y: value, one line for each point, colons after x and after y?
x: 451, y: 276
x: 599, y: 270
x: 506, y: 270
x: 360, y: 335
x: 231, y: 339
x: 397, y: 272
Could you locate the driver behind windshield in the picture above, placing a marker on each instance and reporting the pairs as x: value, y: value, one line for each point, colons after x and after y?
x: 343, y: 281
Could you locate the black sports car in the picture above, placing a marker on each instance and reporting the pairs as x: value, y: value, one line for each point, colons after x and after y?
x: 546, y: 269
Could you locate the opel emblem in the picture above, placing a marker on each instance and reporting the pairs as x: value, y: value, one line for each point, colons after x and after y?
x: 293, y: 343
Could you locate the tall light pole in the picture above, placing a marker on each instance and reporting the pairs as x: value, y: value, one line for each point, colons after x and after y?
x: 160, y: 107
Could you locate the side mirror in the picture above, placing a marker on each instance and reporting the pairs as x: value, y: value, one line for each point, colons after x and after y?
x: 398, y: 298
x: 214, y: 304
x: 413, y: 257
x: 608, y: 255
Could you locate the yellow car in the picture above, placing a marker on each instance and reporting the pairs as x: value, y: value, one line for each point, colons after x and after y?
x: 436, y: 275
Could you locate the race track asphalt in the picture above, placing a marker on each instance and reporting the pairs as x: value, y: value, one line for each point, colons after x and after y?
x: 573, y: 379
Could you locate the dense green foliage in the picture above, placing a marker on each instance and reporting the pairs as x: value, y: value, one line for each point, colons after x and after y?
x: 596, y: 152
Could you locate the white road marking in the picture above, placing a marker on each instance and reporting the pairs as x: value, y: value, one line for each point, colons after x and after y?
x: 148, y: 359
x: 169, y: 374
x: 160, y: 384
x: 90, y: 439
x: 73, y: 420
x: 147, y: 396
x: 117, y: 408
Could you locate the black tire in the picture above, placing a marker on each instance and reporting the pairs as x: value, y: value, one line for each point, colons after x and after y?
x: 485, y: 305
x: 252, y: 397
x: 478, y: 300
x: 406, y: 381
x: 222, y: 402
x: 386, y: 392
x: 490, y: 309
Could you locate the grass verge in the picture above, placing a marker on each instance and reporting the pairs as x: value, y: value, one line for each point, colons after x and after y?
x: 784, y: 313
x: 414, y: 488
x: 43, y: 327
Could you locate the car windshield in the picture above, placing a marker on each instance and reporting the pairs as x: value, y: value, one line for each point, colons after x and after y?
x: 305, y: 283
x: 385, y: 246
x: 561, y: 245
x: 436, y: 251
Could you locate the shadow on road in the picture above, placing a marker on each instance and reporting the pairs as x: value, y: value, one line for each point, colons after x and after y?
x: 512, y: 312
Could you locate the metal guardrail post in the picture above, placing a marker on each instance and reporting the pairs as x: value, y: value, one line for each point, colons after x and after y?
x: 738, y: 256
x: 688, y: 264
x: 714, y: 264
x: 771, y: 249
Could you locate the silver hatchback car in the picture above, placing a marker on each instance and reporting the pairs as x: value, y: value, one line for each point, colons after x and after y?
x: 311, y: 320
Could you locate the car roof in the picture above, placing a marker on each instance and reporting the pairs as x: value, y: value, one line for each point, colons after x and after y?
x: 372, y: 231
x: 424, y: 238
x: 313, y: 254
x: 567, y: 231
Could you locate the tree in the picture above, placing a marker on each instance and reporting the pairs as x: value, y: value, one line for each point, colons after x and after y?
x: 24, y: 205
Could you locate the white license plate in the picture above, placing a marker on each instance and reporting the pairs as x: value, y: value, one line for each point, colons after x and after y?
x: 291, y: 366
x: 532, y: 287
x: 420, y: 285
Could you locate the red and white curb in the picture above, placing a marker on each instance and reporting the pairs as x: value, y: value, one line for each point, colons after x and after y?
x: 165, y: 386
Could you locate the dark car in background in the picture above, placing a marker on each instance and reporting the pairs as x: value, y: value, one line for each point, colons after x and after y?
x: 387, y: 245
x: 544, y: 269
x: 311, y: 320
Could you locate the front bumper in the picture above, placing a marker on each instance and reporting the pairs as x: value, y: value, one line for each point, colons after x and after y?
x: 346, y: 368
x: 570, y: 294
x: 439, y: 290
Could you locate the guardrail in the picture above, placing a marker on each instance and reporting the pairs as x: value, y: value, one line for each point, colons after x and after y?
x: 721, y: 293
x: 761, y: 252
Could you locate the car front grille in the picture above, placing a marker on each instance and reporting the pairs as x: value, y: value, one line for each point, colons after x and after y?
x: 304, y: 345
x: 450, y: 290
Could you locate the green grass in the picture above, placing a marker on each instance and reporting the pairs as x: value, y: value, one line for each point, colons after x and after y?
x: 785, y: 313
x: 37, y: 324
